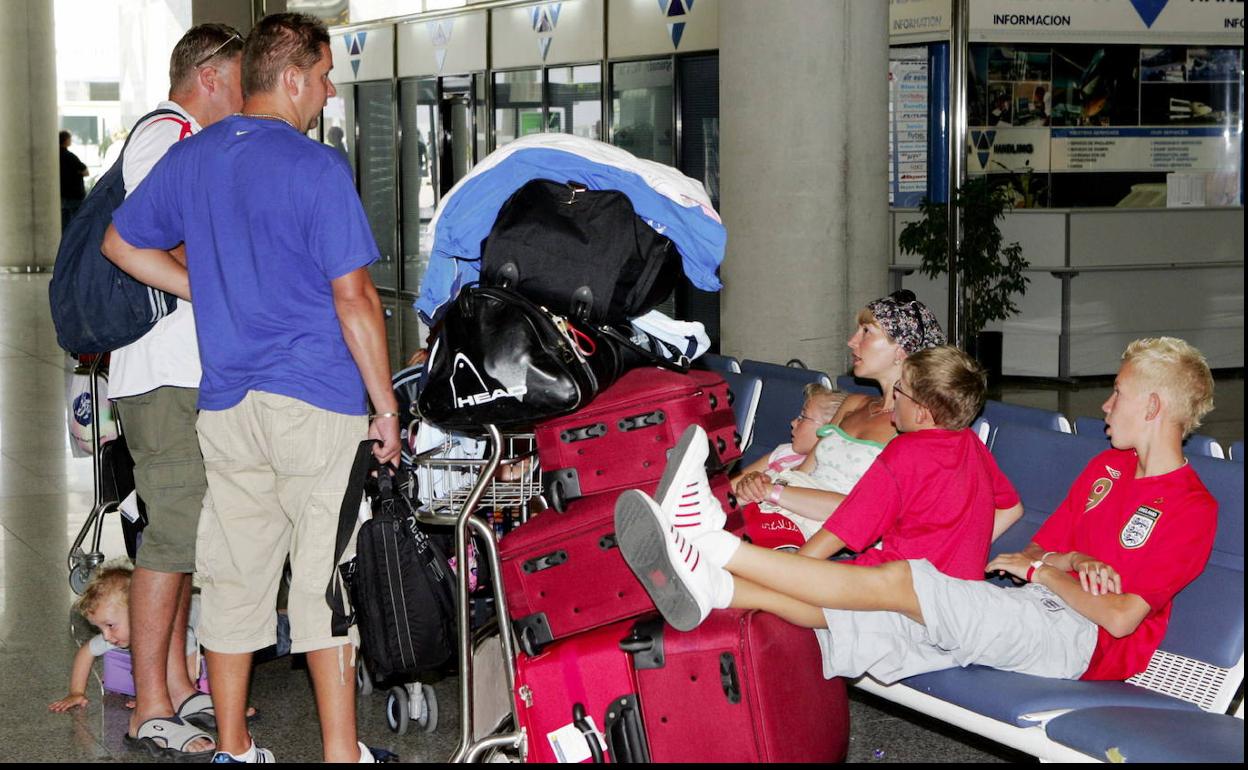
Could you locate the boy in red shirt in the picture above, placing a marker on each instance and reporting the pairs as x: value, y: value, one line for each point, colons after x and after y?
x: 1136, y: 527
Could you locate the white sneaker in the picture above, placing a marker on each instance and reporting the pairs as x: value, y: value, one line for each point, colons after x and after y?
x: 684, y: 586
x: 684, y: 493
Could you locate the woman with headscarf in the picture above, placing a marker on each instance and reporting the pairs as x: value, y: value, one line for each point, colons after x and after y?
x: 889, y: 329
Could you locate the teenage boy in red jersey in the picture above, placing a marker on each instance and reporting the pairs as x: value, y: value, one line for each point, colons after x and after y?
x: 1136, y: 527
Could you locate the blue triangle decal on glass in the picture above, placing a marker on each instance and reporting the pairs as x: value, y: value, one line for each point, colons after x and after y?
x: 992, y: 138
x: 663, y: 6
x: 975, y: 135
x: 355, y: 66
x: 554, y: 9
x: 676, y: 31
x: 543, y: 45
x: 676, y: 9
x: 440, y: 55
x: 533, y: 12
x: 983, y: 159
x: 362, y: 36
x: 353, y: 45
x: 688, y: 4
x: 1149, y: 10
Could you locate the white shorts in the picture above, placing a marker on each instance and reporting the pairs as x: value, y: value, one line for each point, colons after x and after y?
x: 1028, y: 630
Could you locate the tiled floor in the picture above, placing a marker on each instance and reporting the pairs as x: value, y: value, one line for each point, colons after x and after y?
x: 46, y: 494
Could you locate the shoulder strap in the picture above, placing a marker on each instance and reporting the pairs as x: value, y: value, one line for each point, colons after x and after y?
x: 186, y: 124
x: 348, y: 513
x: 622, y: 340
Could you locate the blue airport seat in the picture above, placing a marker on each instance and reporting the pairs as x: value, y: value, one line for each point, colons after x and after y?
x: 718, y: 363
x: 780, y: 402
x: 1204, y: 640
x: 996, y: 413
x: 1041, y: 464
x: 1090, y: 427
x: 1236, y: 453
x: 1195, y: 444
x: 768, y: 372
x: 746, y: 393
x: 1131, y: 734
x: 1205, y: 446
x: 985, y: 431
x: 849, y: 384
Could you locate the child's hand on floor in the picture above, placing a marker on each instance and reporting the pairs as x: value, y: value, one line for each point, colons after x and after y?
x: 69, y: 702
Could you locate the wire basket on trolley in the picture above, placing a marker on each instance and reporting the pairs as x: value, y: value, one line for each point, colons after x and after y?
x: 446, y: 474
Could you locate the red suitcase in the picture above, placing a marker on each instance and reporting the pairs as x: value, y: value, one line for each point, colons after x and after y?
x: 576, y: 688
x: 620, y: 440
x: 745, y: 686
x: 563, y: 573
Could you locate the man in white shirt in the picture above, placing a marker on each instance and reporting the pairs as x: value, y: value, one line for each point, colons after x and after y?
x: 155, y: 382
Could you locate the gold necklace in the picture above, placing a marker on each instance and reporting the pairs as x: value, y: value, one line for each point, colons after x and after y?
x: 873, y: 412
x: 265, y: 116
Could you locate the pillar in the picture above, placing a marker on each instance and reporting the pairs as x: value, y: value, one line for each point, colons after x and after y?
x: 804, y: 146
x: 30, y: 202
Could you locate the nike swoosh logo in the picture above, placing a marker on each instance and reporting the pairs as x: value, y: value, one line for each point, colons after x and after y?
x: 240, y: 133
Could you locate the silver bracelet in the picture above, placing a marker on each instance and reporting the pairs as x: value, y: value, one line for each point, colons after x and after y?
x: 383, y: 415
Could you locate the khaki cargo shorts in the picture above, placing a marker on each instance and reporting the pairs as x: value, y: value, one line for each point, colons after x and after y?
x: 168, y: 473
x: 277, y: 471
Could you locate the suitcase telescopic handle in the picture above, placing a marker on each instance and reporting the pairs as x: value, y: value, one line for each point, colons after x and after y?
x: 591, y: 737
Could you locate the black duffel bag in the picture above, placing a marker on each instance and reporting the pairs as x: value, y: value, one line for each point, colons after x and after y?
x: 398, y: 589
x: 499, y: 359
x: 502, y: 360
x: 585, y: 254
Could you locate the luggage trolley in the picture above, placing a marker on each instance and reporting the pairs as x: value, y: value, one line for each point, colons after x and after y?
x: 107, y: 497
x: 508, y: 477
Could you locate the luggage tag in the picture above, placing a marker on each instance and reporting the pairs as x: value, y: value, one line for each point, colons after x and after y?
x: 571, y: 745
x: 130, y: 507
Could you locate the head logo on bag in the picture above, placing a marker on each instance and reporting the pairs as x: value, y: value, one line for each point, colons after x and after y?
x: 482, y: 394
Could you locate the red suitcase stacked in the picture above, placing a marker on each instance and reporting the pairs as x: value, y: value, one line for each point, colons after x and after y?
x: 620, y: 440
x: 742, y: 687
x: 563, y: 573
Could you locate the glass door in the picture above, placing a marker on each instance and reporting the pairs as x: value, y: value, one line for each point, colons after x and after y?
x: 574, y: 100
x: 643, y: 117
x: 455, y: 116
x: 418, y: 103
x: 517, y: 105
x: 377, y: 175
x: 338, y: 123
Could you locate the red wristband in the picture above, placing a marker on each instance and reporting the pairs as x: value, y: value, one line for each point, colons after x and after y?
x: 1031, y: 570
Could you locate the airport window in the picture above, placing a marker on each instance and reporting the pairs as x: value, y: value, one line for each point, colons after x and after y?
x: 375, y: 113
x: 517, y: 105
x: 418, y: 102
x: 338, y: 123
x: 642, y: 110
x: 574, y: 100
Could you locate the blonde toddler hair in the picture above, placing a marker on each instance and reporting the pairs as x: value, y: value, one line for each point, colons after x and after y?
x: 110, y: 583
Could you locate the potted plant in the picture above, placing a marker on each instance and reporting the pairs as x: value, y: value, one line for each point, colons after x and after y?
x: 991, y: 271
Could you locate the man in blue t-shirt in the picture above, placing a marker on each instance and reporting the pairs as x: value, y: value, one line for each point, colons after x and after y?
x: 293, y: 345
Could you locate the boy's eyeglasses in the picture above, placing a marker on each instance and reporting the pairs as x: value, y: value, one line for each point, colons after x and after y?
x: 217, y: 50
x: 898, y: 391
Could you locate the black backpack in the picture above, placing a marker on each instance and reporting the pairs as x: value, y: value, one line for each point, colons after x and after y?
x: 400, y: 585
x: 582, y: 253
x: 96, y: 307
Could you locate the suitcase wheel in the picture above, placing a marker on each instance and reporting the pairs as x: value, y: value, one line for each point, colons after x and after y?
x: 397, y: 712
x: 429, y: 720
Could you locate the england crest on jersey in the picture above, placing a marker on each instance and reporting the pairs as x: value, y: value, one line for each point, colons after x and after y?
x: 1139, y: 527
